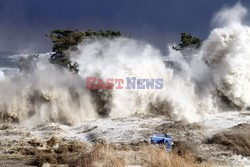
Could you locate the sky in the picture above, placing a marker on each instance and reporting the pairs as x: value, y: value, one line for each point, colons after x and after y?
x: 24, y: 23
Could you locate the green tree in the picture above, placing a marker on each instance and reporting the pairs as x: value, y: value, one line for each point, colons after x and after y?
x: 188, y: 41
x: 67, y: 40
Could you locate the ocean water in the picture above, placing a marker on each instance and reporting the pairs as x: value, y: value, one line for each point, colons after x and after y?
x: 8, y: 63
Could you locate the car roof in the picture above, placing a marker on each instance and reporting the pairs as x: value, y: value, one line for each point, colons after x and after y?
x: 161, y: 135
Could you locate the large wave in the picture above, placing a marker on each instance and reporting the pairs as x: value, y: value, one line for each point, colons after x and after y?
x: 228, y: 54
x: 193, y: 80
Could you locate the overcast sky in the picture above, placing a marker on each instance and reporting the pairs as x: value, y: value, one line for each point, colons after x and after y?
x: 23, y: 23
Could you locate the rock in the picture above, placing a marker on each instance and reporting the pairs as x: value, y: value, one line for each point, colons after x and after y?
x: 52, y: 141
x: 4, y: 127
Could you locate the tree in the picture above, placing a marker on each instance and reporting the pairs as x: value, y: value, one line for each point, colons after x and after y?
x: 67, y: 40
x: 188, y: 41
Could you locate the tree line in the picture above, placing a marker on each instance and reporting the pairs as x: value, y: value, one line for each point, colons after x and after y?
x: 65, y: 41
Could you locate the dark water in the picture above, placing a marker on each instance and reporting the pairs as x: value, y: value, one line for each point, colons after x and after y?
x: 8, y: 64
x: 8, y: 61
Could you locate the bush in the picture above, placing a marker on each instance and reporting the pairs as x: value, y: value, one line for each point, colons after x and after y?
x: 157, y: 157
x: 102, y: 155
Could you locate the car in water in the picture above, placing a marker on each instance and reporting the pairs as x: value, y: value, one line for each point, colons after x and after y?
x: 160, y: 138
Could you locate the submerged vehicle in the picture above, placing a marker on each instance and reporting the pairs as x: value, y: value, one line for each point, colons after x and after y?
x: 159, y: 138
